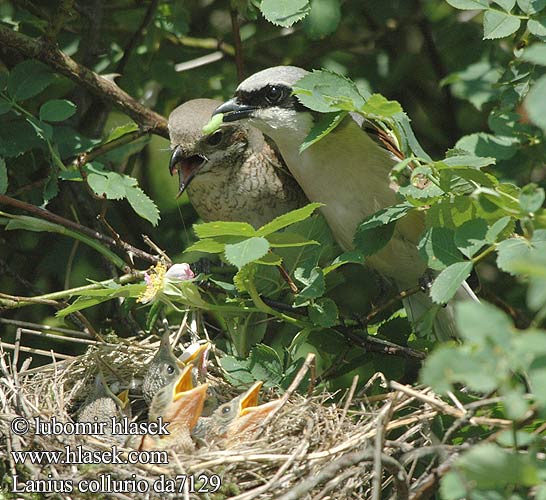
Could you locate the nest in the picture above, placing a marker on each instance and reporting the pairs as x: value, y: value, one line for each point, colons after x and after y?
x: 325, y: 446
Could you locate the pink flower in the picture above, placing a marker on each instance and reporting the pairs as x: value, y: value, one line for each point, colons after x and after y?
x: 180, y: 272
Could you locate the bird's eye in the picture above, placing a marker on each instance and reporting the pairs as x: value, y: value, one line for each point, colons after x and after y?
x: 170, y: 369
x: 226, y: 410
x: 274, y: 94
x: 216, y: 138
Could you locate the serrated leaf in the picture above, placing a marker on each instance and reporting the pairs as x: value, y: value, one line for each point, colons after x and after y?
x: 497, y: 228
x: 481, y: 323
x: 315, y: 285
x: 537, y: 25
x: 249, y: 250
x: 535, y: 54
x: 142, y: 204
x: 469, y: 4
x: 326, y: 91
x: 531, y: 6
x: 120, y: 131
x: 3, y: 176
x: 323, y: 312
x: 220, y: 228
x: 378, y: 106
x: 284, y: 12
x: 323, y: 19
x: 497, y: 24
x: 471, y: 237
x: 489, y: 145
x: 28, y: 79
x: 353, y: 257
x: 531, y: 198
x: 270, y: 259
x: 468, y: 161
x: 57, y: 110
x: 437, y: 248
x: 277, y: 223
x: 449, y: 280
x: 512, y: 251
x: 507, y: 5
x: 535, y: 103
x: 288, y: 240
x: 375, y: 231
x: 208, y: 245
x: 322, y: 126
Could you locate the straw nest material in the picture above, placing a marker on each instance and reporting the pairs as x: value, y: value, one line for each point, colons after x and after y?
x: 326, y: 446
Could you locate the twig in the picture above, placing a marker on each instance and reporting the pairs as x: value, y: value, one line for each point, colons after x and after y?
x: 40, y: 352
x: 238, y: 46
x: 350, y: 460
x: 137, y: 36
x: 42, y: 213
x: 382, y: 420
x: 399, y: 296
x: 91, y: 81
x: 423, y: 489
x: 26, y: 324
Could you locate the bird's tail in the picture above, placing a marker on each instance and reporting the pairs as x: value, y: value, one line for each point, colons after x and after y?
x: 425, y: 315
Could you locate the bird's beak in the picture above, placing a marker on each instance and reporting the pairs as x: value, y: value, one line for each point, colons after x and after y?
x: 196, y: 354
x: 187, y: 403
x: 187, y: 167
x: 233, y: 110
x: 250, y: 398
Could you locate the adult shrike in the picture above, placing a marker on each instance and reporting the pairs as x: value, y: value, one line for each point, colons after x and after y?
x: 347, y: 171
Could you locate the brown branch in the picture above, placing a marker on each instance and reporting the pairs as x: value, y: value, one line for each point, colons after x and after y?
x: 91, y: 81
x: 235, y: 28
x: 399, y: 296
x: 57, y: 219
x: 137, y: 36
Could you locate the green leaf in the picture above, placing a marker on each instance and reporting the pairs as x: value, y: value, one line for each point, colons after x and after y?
x: 284, y: 12
x: 236, y: 370
x: 488, y: 466
x: 270, y: 259
x: 513, y: 251
x: 326, y: 91
x: 5, y: 106
x: 323, y: 312
x: 3, y: 176
x: 141, y: 203
x: 497, y: 228
x: 498, y: 24
x: 276, y: 224
x: 375, y: 231
x: 537, y: 25
x: 535, y: 54
x: 28, y: 79
x: 482, y: 323
x: 323, y: 19
x: 211, y: 229
x: 57, y: 110
x: 438, y: 249
x: 322, y: 126
x: 507, y: 5
x: 535, y: 103
x: 531, y: 198
x: 449, y: 280
x: 488, y: 145
x: 207, y: 245
x: 251, y: 249
x: 353, y: 257
x: 531, y: 6
x: 288, y: 240
x: 315, y: 285
x: 469, y: 4
x: 120, y: 131
x: 468, y: 161
x: 377, y: 106
x: 265, y: 364
x: 471, y: 237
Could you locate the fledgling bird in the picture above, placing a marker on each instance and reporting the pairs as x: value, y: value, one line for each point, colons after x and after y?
x: 233, y: 174
x: 180, y: 404
x: 347, y: 171
x: 235, y: 421
x: 102, y: 405
x: 166, y: 367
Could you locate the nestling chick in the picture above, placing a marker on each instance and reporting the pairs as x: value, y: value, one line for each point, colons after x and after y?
x: 179, y: 404
x: 233, y: 174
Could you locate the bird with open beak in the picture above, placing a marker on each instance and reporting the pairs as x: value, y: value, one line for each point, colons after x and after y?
x: 165, y: 367
x: 233, y: 174
x: 180, y: 404
x: 348, y: 171
x: 235, y: 421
